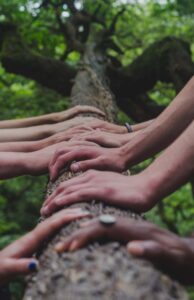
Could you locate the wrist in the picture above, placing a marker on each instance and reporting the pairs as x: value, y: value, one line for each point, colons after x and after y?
x: 57, y: 117
x: 128, y: 152
x: 33, y: 163
x: 154, y: 184
x: 190, y: 243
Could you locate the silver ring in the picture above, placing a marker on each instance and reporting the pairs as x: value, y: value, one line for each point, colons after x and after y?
x: 107, y: 220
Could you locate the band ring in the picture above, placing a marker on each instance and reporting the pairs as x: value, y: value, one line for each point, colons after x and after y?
x: 129, y: 127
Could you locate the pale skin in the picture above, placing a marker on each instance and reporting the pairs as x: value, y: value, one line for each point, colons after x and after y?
x: 41, y: 131
x: 49, y: 118
x: 155, y: 137
x: 85, y: 132
x: 16, y: 258
x: 139, y: 192
x: 34, y: 163
x: 167, y: 251
x: 30, y: 146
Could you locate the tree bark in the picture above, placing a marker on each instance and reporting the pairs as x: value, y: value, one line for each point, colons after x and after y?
x: 97, y: 271
x: 168, y: 60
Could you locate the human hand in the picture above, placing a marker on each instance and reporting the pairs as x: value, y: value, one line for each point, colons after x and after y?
x: 81, y: 122
x: 105, y: 139
x: 79, y: 109
x: 87, y: 158
x: 16, y: 259
x: 37, y: 162
x: 91, y: 123
x: 111, y: 188
x: 170, y: 253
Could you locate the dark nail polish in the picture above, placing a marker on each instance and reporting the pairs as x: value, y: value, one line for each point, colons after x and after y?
x: 33, y: 266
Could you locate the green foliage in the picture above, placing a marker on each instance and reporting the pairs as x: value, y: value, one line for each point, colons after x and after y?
x: 141, y: 24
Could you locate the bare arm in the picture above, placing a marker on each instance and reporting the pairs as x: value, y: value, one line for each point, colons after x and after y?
x: 173, y: 168
x: 146, y: 142
x: 164, y: 129
x: 34, y: 163
x: 40, y: 132
x: 49, y: 118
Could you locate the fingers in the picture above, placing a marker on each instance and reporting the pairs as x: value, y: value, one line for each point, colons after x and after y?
x: 93, y: 231
x: 86, y: 108
x: 10, y: 268
x: 69, y: 184
x: 146, y: 249
x: 86, y: 165
x: 157, y: 252
x: 60, y: 161
x: 28, y: 244
x: 68, y: 199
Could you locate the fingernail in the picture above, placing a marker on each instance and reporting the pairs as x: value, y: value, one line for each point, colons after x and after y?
x: 74, y: 168
x: 44, y: 211
x: 33, y: 266
x: 59, y: 247
x: 73, y: 246
x: 135, y: 248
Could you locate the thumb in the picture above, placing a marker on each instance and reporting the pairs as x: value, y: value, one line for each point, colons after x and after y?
x: 85, y: 165
x: 22, y: 266
x: 145, y: 249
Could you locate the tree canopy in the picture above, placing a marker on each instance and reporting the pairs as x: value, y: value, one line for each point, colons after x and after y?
x: 150, y: 46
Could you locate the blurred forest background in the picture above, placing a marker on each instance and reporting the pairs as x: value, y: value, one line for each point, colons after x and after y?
x: 141, y: 24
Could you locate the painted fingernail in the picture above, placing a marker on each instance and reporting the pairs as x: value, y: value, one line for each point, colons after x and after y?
x: 33, y: 266
x: 135, y: 248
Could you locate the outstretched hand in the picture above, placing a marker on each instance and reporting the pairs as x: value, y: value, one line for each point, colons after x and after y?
x: 16, y: 259
x: 87, y: 157
x: 111, y: 188
x: 74, y: 111
x: 167, y: 251
x: 105, y: 139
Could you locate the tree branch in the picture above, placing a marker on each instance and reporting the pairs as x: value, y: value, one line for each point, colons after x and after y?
x: 111, y: 29
x: 168, y: 60
x: 17, y: 58
x: 71, y: 5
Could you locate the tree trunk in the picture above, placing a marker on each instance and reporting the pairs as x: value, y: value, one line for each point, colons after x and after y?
x: 101, y: 272
x: 168, y: 60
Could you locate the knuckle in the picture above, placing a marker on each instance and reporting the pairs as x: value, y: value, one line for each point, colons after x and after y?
x: 90, y: 173
x: 103, y: 159
x: 109, y: 191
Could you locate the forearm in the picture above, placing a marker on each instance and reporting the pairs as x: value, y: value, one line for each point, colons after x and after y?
x: 28, y: 122
x: 12, y: 164
x: 26, y: 134
x: 173, y: 168
x: 15, y: 164
x: 26, y: 146
x: 164, y: 129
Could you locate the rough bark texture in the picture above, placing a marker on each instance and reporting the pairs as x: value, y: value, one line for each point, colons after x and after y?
x: 97, y: 271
